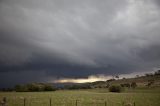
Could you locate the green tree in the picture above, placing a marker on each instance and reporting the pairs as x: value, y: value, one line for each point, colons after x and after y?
x: 115, y: 88
x: 48, y: 87
x: 133, y: 85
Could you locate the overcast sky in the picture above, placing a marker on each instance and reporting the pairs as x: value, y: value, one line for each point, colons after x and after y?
x: 43, y: 40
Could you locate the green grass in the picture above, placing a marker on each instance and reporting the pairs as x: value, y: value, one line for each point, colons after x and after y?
x: 93, y: 97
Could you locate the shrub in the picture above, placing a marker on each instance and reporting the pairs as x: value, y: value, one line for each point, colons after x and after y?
x: 150, y: 83
x: 125, y: 85
x: 33, y: 87
x: 115, y: 88
x: 48, y: 87
x: 133, y: 84
x: 20, y: 88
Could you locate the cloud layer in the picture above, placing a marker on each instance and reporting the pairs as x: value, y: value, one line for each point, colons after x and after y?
x: 78, y: 38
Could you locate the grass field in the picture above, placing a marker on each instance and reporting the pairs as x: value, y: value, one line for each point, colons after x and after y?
x: 93, y: 97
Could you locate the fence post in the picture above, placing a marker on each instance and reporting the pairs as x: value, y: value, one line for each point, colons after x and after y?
x: 76, y: 103
x: 50, y: 102
x: 134, y: 104
x: 123, y: 103
x: 105, y: 103
x: 24, y: 102
x: 3, y: 102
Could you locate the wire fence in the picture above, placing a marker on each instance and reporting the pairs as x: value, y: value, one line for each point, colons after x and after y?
x: 53, y: 102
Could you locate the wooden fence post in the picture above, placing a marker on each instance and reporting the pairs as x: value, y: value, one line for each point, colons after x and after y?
x: 24, y: 102
x: 76, y: 103
x: 3, y: 102
x: 122, y: 103
x: 134, y: 104
x: 105, y: 103
x: 50, y: 102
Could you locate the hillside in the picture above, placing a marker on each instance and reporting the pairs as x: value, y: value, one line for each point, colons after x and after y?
x: 152, y: 80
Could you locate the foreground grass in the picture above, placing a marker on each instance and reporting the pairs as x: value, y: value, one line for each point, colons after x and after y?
x: 94, y: 97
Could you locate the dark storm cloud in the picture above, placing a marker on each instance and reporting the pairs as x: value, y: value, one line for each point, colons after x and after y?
x: 69, y: 38
x: 157, y: 2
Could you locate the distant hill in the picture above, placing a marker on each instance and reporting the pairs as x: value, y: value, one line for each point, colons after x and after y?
x: 149, y: 80
x: 140, y: 81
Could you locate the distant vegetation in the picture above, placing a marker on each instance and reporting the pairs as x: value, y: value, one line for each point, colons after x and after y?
x: 34, y: 87
x: 114, y: 85
x: 77, y: 86
x: 115, y: 88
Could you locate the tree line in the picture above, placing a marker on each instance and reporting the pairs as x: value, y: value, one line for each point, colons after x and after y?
x: 34, y: 87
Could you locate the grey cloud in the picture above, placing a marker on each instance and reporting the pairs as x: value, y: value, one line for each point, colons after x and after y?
x: 79, y: 38
x: 9, y: 79
x: 157, y: 2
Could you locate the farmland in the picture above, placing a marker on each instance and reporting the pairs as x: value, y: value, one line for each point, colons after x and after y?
x: 91, y: 97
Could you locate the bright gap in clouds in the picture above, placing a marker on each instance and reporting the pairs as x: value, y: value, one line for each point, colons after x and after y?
x: 101, y: 77
x: 91, y: 78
